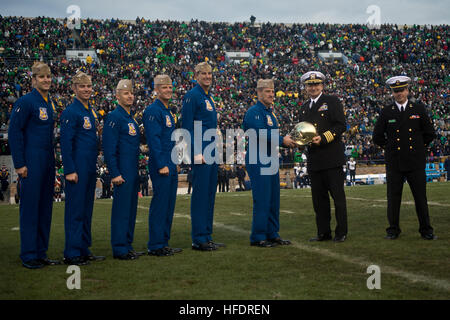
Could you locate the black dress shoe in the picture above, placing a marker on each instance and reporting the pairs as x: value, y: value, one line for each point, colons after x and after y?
x: 127, y: 256
x: 280, y: 241
x: 161, y: 252
x: 174, y: 250
x: 263, y: 244
x: 429, y: 236
x: 321, y: 237
x: 391, y: 236
x: 137, y: 253
x: 91, y: 257
x: 50, y: 262
x: 78, y: 261
x: 340, y: 238
x: 205, y: 246
x: 217, y: 244
x: 33, y: 264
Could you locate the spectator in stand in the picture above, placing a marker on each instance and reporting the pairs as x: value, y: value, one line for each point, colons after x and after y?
x: 351, y: 166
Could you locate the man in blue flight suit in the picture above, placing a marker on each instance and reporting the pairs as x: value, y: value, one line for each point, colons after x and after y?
x: 79, y: 149
x: 265, y: 185
x: 121, y: 139
x: 31, y: 141
x: 199, y: 106
x: 159, y: 123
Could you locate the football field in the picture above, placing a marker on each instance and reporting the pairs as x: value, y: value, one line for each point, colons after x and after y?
x: 410, y: 267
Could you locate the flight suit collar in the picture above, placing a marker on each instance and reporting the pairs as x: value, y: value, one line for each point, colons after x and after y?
x: 161, y: 104
x: 81, y: 105
x: 263, y: 106
x: 36, y: 93
x: 124, y: 112
x: 203, y: 91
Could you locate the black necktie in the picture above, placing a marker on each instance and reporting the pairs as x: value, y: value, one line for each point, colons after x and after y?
x: 402, y: 108
x: 313, y: 104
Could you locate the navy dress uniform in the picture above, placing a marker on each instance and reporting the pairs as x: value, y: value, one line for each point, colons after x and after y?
x: 160, y: 123
x: 326, y: 160
x: 79, y: 149
x: 199, y: 106
x: 404, y: 131
x: 30, y: 136
x: 265, y: 186
x: 121, y: 139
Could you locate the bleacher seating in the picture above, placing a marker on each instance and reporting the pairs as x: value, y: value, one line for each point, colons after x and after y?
x: 432, y: 172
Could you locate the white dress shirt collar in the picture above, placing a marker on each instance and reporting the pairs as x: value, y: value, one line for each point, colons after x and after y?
x: 399, y: 106
x: 315, y: 100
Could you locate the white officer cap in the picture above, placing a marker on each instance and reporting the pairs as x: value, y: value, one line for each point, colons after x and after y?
x: 313, y: 77
x: 398, y: 82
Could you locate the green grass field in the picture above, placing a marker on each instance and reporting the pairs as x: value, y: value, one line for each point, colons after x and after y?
x: 411, y: 268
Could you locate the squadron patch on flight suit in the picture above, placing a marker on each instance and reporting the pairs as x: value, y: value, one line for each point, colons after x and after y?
x: 168, y: 122
x: 131, y: 129
x: 269, y: 121
x: 87, y: 123
x: 43, y: 114
x: 208, y: 105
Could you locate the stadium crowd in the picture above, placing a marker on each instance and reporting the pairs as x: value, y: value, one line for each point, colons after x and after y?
x: 140, y: 49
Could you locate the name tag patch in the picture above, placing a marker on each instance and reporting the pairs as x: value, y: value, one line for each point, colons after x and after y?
x: 392, y: 121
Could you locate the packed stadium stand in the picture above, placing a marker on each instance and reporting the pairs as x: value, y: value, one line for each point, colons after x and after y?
x: 140, y: 49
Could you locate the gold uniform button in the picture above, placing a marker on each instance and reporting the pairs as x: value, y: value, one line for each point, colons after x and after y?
x: 398, y: 148
x: 410, y: 139
x: 398, y: 139
x: 321, y: 114
x: 410, y: 130
x: 410, y: 147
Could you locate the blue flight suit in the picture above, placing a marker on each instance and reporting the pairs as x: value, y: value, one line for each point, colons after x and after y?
x: 199, y: 106
x: 31, y: 141
x: 79, y: 149
x: 121, y: 138
x: 159, y: 123
x: 265, y: 188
